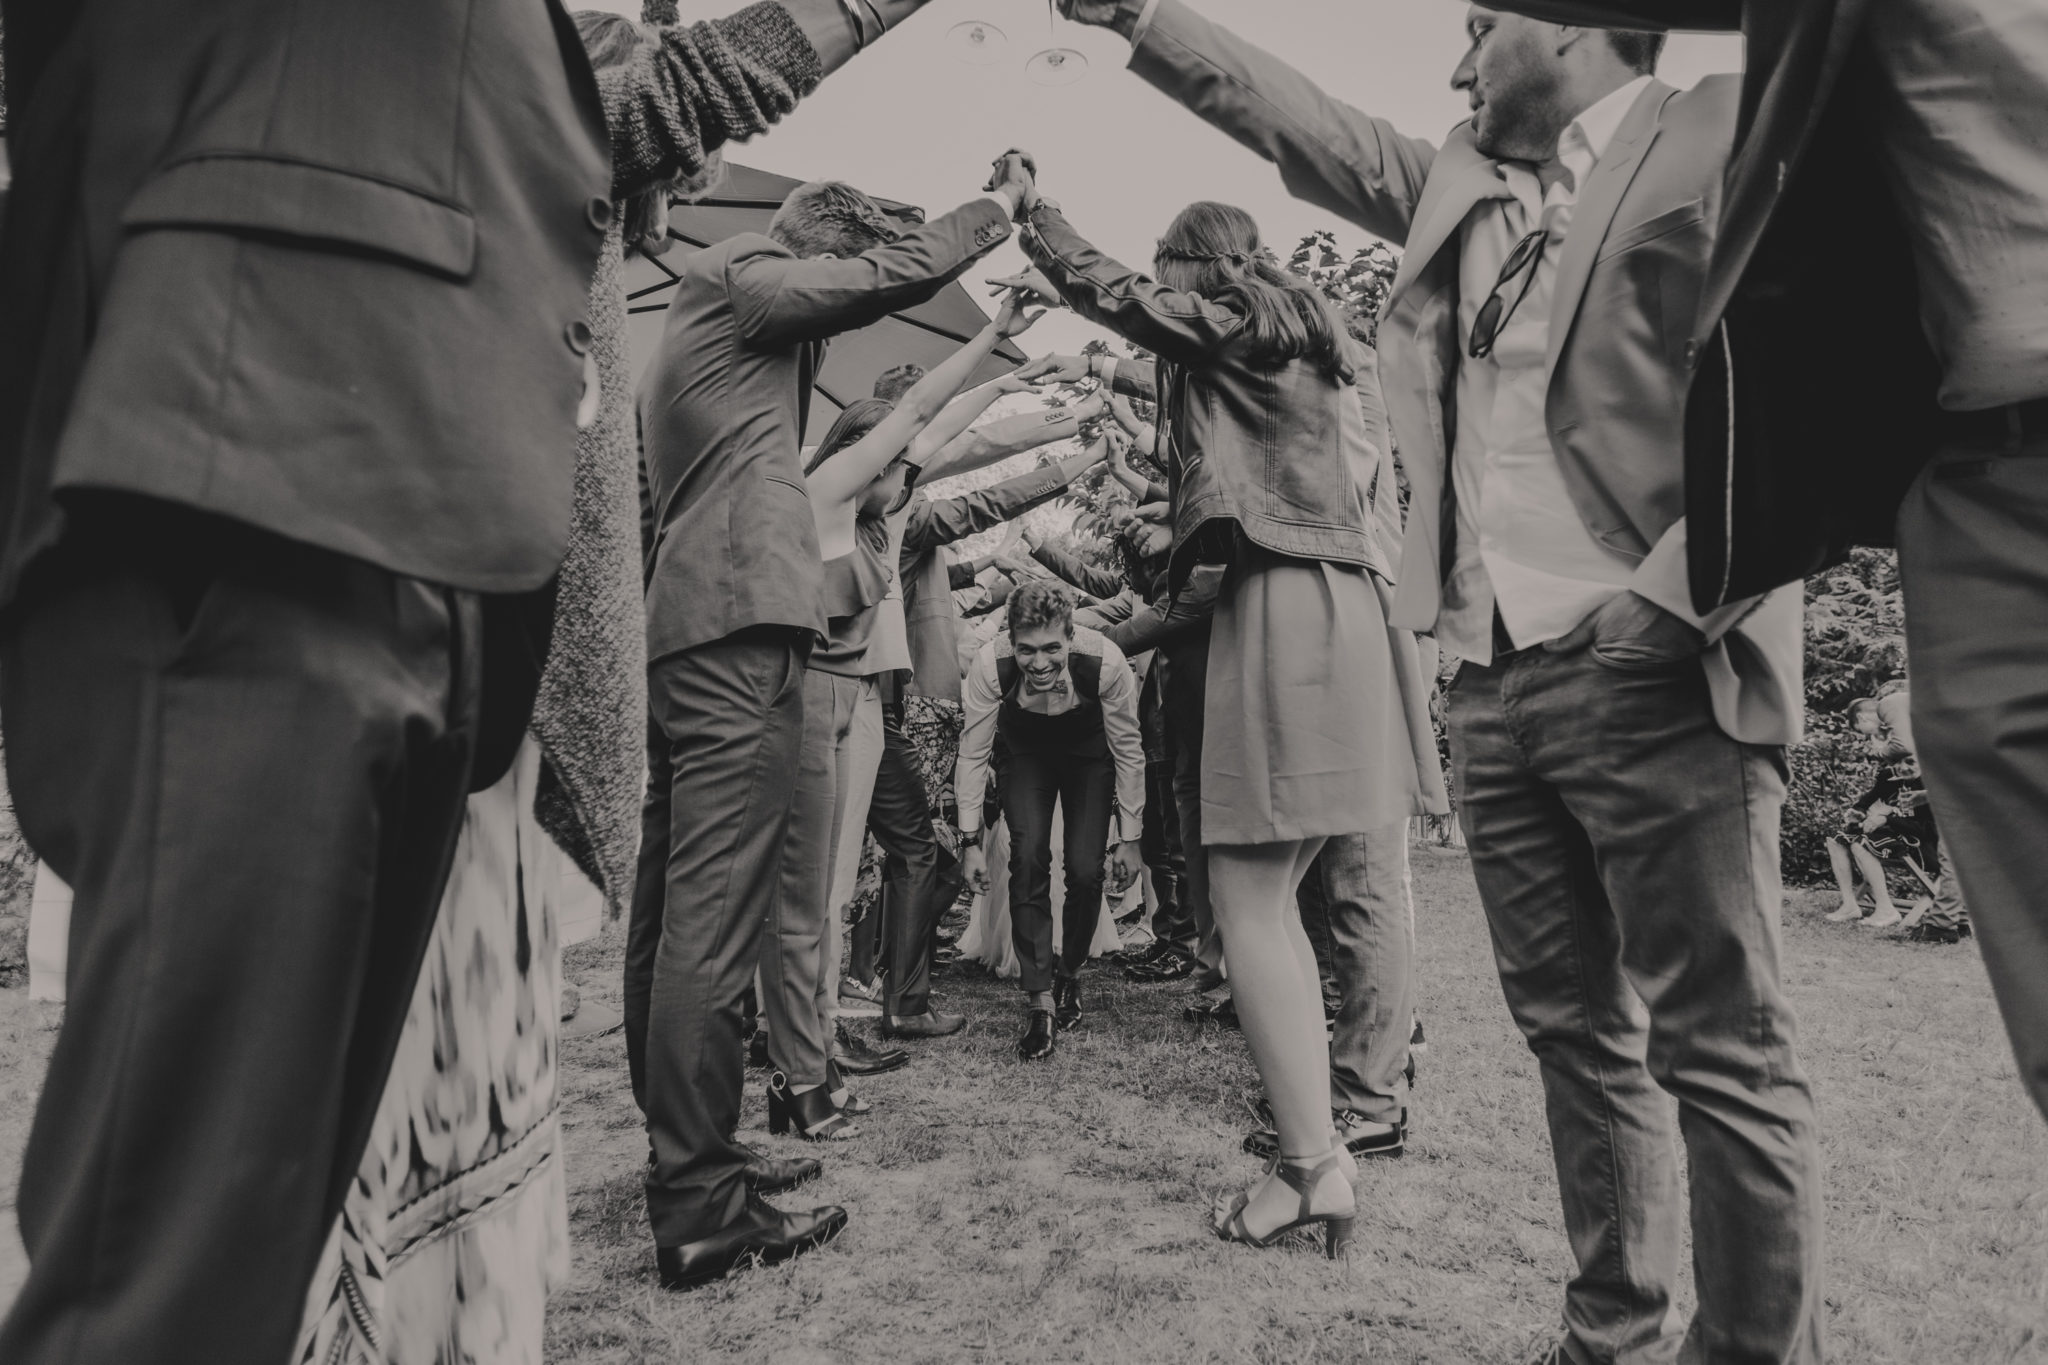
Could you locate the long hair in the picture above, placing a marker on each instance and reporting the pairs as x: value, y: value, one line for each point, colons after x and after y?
x: 613, y: 40
x: 860, y: 418
x: 1214, y: 250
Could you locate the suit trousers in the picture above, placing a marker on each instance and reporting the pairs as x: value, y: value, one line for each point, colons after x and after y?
x: 730, y: 717
x: 1355, y: 905
x: 1973, y: 557
x: 799, y: 993
x: 1626, y: 852
x: 1160, y: 839
x: 249, y: 759
x: 900, y: 817
x: 1084, y: 788
x: 1184, y: 687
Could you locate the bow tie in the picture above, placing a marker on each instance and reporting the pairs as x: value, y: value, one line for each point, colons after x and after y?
x: 1058, y: 684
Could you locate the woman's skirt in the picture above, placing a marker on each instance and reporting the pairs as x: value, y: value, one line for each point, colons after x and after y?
x: 1316, y: 719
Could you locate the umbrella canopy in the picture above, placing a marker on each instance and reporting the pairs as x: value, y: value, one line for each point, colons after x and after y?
x: 746, y: 200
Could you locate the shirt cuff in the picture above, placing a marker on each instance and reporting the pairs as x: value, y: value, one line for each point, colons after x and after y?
x: 1109, y: 372
x: 1144, y: 24
x: 1002, y: 204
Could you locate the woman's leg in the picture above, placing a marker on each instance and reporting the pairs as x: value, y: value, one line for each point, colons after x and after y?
x: 1873, y: 873
x: 1273, y: 981
x: 1845, y: 882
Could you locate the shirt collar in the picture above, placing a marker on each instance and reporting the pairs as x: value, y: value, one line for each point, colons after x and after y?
x: 1599, y: 122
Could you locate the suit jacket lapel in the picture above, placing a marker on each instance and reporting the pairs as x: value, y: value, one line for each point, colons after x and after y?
x: 1460, y: 177
x: 1599, y: 199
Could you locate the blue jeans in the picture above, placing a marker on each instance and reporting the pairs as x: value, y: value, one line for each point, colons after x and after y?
x: 1626, y: 851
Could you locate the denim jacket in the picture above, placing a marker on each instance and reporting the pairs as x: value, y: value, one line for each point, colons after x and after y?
x: 1281, y: 454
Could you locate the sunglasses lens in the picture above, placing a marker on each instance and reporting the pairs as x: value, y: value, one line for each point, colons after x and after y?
x: 1483, y: 326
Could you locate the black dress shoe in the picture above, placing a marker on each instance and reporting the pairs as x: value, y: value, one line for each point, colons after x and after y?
x: 1174, y: 963
x: 1214, y: 1010
x: 762, y: 1234
x: 930, y: 1024
x: 856, y: 1058
x: 1037, y: 1043
x: 766, y: 1174
x: 1066, y: 1001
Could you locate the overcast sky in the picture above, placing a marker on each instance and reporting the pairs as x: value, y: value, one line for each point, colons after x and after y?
x: 908, y: 121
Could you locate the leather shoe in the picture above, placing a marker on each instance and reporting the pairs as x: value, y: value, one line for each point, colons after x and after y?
x: 930, y: 1024
x: 1066, y: 1001
x: 1038, y: 1041
x: 766, y: 1174
x: 762, y: 1234
x: 856, y: 1058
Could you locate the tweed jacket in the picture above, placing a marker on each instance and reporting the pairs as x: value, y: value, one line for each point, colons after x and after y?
x: 318, y: 267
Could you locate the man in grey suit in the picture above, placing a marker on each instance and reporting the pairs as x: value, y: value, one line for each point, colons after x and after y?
x: 733, y: 607
x: 289, y: 381
x: 1620, y: 758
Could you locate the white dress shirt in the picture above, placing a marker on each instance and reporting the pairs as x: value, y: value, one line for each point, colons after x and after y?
x: 1521, y: 545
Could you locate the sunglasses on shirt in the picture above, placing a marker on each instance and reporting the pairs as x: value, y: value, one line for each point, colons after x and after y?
x: 1495, y: 312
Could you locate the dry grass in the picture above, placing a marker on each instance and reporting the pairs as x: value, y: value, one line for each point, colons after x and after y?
x: 1055, y: 1213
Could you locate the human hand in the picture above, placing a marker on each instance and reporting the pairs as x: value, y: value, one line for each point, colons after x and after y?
x: 1632, y: 634
x: 1101, y: 13
x: 1016, y: 566
x: 1158, y: 513
x: 1874, y: 821
x: 1126, y: 415
x: 974, y: 868
x: 1034, y: 282
x: 1126, y: 861
x: 1151, y: 539
x: 1015, y: 178
x: 1015, y: 317
x: 1056, y: 369
x: 1116, y: 447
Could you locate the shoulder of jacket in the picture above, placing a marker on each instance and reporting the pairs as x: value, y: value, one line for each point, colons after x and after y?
x: 1092, y: 643
x: 1713, y: 97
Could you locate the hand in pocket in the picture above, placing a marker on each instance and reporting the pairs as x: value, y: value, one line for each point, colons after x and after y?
x: 1632, y: 634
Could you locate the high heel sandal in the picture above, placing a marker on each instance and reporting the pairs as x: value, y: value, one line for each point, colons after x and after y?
x: 834, y: 1083
x: 1338, y: 1228
x: 811, y: 1113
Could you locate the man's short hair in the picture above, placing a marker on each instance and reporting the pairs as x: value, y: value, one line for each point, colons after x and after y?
x: 830, y: 218
x: 893, y: 384
x: 1041, y: 603
x: 1862, y: 704
x: 1638, y: 50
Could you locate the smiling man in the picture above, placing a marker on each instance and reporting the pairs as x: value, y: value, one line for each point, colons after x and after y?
x: 1620, y: 758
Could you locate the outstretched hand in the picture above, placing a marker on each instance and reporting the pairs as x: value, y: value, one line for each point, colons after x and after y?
x: 1056, y: 369
x: 1016, y: 317
x: 1101, y: 13
x: 1016, y: 178
x: 1125, y: 863
x: 1032, y: 282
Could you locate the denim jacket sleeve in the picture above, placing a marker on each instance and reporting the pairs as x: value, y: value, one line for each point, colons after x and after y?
x: 1185, y: 329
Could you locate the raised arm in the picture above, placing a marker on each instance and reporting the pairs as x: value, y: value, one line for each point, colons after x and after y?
x: 699, y: 86
x: 1328, y: 153
x: 999, y: 440
x: 840, y: 478
x: 1690, y: 15
x: 780, y: 300
x: 829, y: 25
x: 1077, y: 572
x: 1166, y: 618
x: 1184, y: 328
x: 942, y: 521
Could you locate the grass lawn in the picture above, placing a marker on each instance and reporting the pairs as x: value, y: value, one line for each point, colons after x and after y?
x: 1056, y: 1212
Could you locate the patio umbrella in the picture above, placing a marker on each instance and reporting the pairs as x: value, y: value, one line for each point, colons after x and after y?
x: 746, y: 200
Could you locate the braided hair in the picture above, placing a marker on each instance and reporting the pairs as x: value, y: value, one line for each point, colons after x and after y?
x: 1214, y: 250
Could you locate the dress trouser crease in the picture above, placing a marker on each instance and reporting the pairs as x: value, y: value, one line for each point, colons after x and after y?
x: 731, y: 718
x: 249, y: 758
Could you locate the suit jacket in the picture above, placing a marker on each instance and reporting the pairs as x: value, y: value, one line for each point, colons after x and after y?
x: 928, y: 606
x: 1628, y: 283
x: 319, y: 267
x: 723, y: 406
x: 1813, y: 401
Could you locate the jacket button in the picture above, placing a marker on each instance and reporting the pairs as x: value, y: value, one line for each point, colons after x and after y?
x: 1692, y: 354
x: 577, y: 334
x: 599, y: 212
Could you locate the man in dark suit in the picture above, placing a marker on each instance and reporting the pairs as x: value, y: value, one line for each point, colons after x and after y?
x: 288, y: 396
x: 1619, y: 756
x: 733, y: 607
x: 1888, y: 142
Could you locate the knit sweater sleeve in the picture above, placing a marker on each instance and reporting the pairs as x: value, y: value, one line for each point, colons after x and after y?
x: 701, y: 86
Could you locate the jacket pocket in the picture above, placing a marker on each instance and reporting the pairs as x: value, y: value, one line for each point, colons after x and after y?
x: 315, y: 204
x: 1675, y: 219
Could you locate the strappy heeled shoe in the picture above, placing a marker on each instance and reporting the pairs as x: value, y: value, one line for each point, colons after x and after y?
x: 835, y: 1082
x: 1338, y: 1228
x: 811, y: 1113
